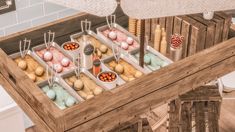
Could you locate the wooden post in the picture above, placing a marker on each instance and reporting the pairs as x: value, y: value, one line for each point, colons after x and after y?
x: 142, y: 40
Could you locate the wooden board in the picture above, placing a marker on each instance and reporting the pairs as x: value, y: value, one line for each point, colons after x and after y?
x: 197, y: 37
x: 148, y: 28
x: 162, y: 22
x: 210, y: 29
x: 174, y: 113
x: 177, y: 25
x: 186, y: 117
x: 169, y: 31
x: 219, y: 28
x: 185, y: 31
x: 200, y: 117
x: 154, y: 23
x: 227, y: 22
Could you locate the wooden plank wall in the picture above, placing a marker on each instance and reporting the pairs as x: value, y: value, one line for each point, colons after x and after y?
x: 199, y: 33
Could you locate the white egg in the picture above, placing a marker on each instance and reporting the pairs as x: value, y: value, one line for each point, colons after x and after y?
x: 112, y: 35
x: 51, y: 94
x: 124, y: 45
x: 130, y: 40
x: 70, y: 101
x: 47, y: 56
x: 58, y: 68
x: 65, y: 62
x: 22, y: 64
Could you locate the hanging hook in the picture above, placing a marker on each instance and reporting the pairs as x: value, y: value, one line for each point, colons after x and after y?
x: 85, y: 26
x: 77, y: 69
x: 111, y: 20
x: 25, y: 46
x: 51, y: 80
x: 116, y: 52
x: 49, y: 38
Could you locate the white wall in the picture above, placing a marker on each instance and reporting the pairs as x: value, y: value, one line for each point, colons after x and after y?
x: 31, y: 13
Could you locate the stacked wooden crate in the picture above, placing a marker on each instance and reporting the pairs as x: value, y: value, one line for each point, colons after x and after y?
x: 196, y: 110
x: 198, y: 33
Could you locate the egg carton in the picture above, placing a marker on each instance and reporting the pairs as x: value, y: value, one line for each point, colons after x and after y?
x: 34, y: 56
x: 153, y: 51
x: 60, y: 81
x: 128, y: 60
x: 93, y: 34
x: 85, y: 72
x: 120, y: 28
x: 55, y: 45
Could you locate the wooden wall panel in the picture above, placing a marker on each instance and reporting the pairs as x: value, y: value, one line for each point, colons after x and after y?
x: 210, y: 30
x: 186, y: 33
x: 169, y: 31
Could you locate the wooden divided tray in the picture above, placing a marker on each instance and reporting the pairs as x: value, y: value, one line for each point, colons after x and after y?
x: 111, y: 108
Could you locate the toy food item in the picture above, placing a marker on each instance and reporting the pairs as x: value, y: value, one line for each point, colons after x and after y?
x: 107, y: 76
x: 39, y: 71
x: 98, y: 90
x: 65, y: 62
x: 121, y: 37
x: 129, y: 72
x: 147, y: 59
x: 130, y: 40
x: 70, y: 101
x: 57, y: 59
x: 89, y: 96
x: 152, y: 61
x: 31, y: 66
x: 32, y: 77
x: 78, y: 85
x: 124, y: 45
x: 103, y: 48
x: 22, y: 64
x: 58, y: 68
x: 119, y: 68
x: 59, y: 96
x: 51, y: 94
x: 47, y: 56
x: 138, y: 74
x: 71, y: 46
x: 112, y: 35
x: 84, y: 86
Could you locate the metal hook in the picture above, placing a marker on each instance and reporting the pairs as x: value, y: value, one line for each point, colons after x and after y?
x: 85, y: 25
x: 116, y: 52
x: 50, y: 39
x: 111, y: 20
x: 51, y: 80
x: 26, y: 47
x: 77, y: 69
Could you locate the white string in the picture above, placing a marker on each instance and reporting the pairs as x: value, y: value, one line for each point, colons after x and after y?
x: 77, y: 68
x: 85, y: 25
x: 25, y: 50
x: 51, y: 80
x: 48, y: 40
x: 111, y: 20
x: 116, y: 52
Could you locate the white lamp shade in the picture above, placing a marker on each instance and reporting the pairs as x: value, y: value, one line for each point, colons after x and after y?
x: 96, y: 7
